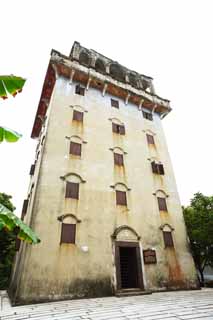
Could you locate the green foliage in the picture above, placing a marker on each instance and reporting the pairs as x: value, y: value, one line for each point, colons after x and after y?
x: 10, y: 84
x: 9, y: 135
x: 199, y: 222
x: 7, y: 246
x: 10, y: 222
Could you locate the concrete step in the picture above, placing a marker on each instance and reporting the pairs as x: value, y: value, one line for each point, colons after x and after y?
x: 131, y: 292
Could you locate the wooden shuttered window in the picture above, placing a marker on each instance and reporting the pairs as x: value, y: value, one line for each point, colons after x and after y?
x: 68, y: 232
x: 75, y: 148
x: 72, y: 190
x: 115, y: 103
x: 157, y: 168
x: 24, y: 208
x: 117, y: 128
x: 162, y: 204
x: 78, y: 116
x: 32, y: 169
x: 121, y: 198
x: 154, y: 167
x: 147, y: 115
x: 79, y: 90
x: 149, y: 256
x: 150, y: 139
x: 160, y: 169
x: 118, y: 159
x: 168, y: 241
x: 17, y: 244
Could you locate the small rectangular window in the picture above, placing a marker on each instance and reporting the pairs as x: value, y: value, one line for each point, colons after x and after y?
x: 32, y: 169
x: 154, y: 167
x: 168, y: 241
x: 162, y: 204
x: 117, y: 128
x: 72, y: 190
x: 17, y: 244
x: 79, y: 90
x: 150, y: 139
x: 78, y: 116
x: 75, y: 148
x: 24, y: 208
x: 149, y: 256
x: 157, y: 168
x: 160, y: 169
x: 115, y: 103
x: 118, y: 159
x: 147, y: 115
x: 121, y: 198
x: 68, y: 231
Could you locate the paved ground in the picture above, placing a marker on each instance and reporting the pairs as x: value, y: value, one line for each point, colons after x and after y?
x: 185, y: 305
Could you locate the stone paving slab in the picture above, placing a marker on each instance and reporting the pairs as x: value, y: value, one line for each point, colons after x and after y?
x: 179, y: 305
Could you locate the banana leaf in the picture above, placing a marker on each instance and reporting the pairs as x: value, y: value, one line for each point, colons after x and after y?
x: 9, y: 135
x: 12, y: 223
x: 10, y: 84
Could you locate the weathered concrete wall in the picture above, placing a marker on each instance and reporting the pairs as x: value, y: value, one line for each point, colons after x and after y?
x: 52, y: 270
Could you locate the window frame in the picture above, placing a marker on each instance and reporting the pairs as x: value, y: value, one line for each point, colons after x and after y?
x: 118, y: 159
x: 118, y: 128
x: 75, y: 148
x: 150, y: 139
x: 162, y: 204
x: 147, y: 115
x: 168, y: 239
x: 65, y: 236
x: 78, y: 116
x: 121, y: 198
x: 114, y: 103
x: 149, y: 256
x: 72, y: 190
x: 157, y: 168
x: 79, y: 90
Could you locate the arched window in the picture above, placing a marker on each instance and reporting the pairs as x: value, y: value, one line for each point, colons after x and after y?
x: 75, y: 146
x: 161, y: 199
x: 167, y: 235
x: 121, y: 193
x: 118, y: 126
x: 84, y: 58
x: 117, y: 72
x: 100, y: 66
x: 68, y: 228
x: 73, y: 181
x: 118, y: 154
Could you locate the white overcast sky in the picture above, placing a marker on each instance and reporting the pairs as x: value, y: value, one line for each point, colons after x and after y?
x: 170, y: 41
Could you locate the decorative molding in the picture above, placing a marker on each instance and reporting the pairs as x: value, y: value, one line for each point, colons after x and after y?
x: 123, y: 184
x: 149, y: 131
x: 63, y: 216
x: 112, y: 149
x: 71, y: 76
x: 127, y: 98
x: 76, y: 105
x: 160, y: 190
x: 124, y: 227
x: 162, y: 226
x: 74, y: 136
x: 88, y: 83
x: 116, y: 119
x: 104, y: 89
x: 140, y: 105
x: 72, y: 174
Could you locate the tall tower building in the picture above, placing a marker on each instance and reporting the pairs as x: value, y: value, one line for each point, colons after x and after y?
x: 102, y: 195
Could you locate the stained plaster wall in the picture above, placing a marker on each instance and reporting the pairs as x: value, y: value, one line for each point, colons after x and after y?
x: 51, y: 270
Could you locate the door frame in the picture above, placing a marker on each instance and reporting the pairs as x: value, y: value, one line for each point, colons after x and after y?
x: 119, y: 244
